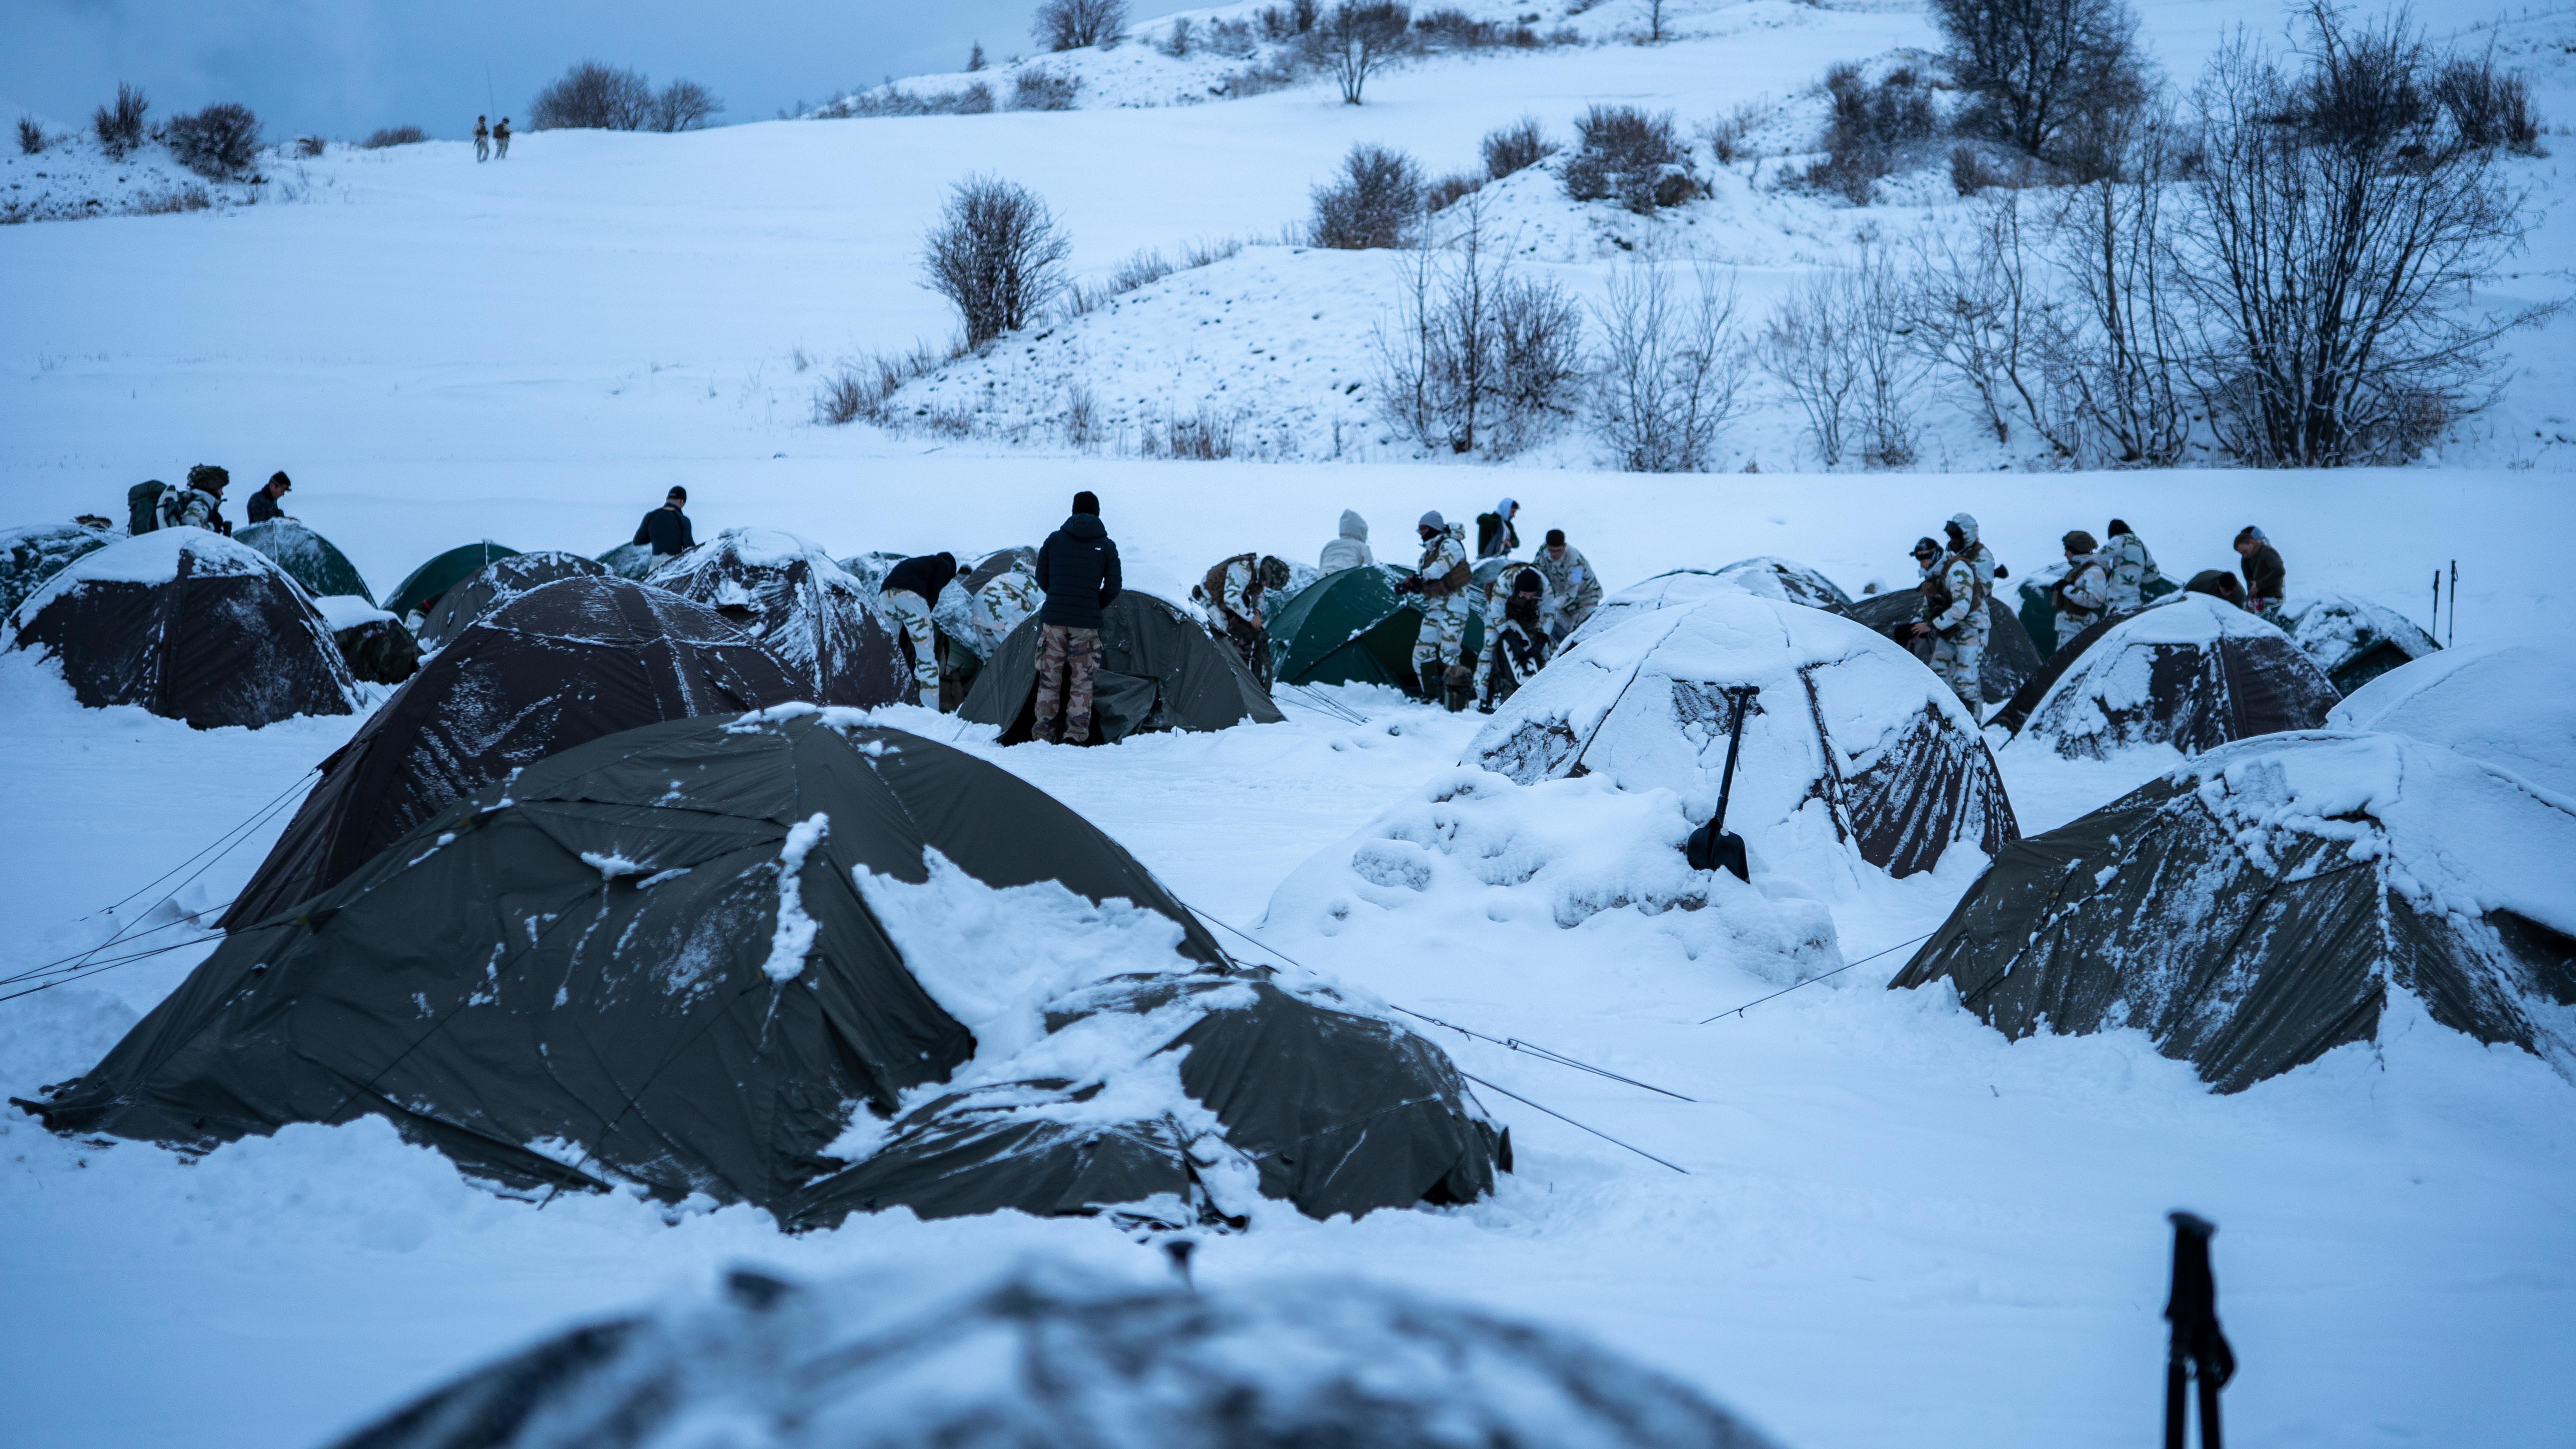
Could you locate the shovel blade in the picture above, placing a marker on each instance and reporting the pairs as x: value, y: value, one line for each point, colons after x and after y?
x: 1713, y: 849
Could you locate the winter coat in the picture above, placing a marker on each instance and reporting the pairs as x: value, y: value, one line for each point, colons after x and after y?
x: 667, y: 529
x: 2082, y: 595
x: 1235, y: 587
x: 1078, y: 569
x: 262, y: 507
x: 1443, y: 559
x: 1351, y: 550
x: 1570, y: 583
x: 2263, y: 578
x: 1954, y: 597
x: 192, y: 508
x: 1495, y: 536
x: 1496, y: 603
x: 2131, y: 569
x: 924, y: 575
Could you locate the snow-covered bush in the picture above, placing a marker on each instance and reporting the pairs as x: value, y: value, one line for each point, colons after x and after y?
x: 1837, y: 344
x: 120, y: 125
x: 219, y: 143
x: 1376, y: 203
x: 997, y: 253
x: 394, y: 136
x: 31, y: 137
x: 1037, y: 88
x: 1869, y: 129
x: 684, y: 105
x: 1073, y: 24
x: 1625, y: 155
x: 1515, y: 147
x: 1479, y: 357
x: 2489, y: 107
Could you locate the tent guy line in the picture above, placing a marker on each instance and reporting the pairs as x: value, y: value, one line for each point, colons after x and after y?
x: 1561, y: 1117
x: 1812, y: 980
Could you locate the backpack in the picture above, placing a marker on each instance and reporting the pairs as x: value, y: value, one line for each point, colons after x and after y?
x: 1213, y: 586
x: 143, y: 506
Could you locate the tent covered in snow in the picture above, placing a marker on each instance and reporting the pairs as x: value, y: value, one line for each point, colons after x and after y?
x: 31, y: 555
x: 2266, y: 903
x: 691, y: 956
x: 2010, y: 657
x: 1778, y: 578
x: 191, y: 626
x: 788, y: 594
x: 308, y: 558
x: 373, y: 643
x: 1852, y: 744
x: 1348, y: 627
x: 2512, y: 705
x: 2352, y: 639
x: 2192, y: 672
x: 1763, y: 577
x: 630, y: 561
x: 929, y: 1356
x: 556, y: 667
x: 495, y: 584
x: 1159, y: 670
x: 418, y: 593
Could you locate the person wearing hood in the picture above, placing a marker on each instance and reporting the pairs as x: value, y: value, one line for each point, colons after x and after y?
x: 1442, y: 580
x: 1955, y: 613
x: 1517, y: 645
x: 2129, y: 566
x: 1078, y: 571
x: 910, y: 592
x: 2264, y: 573
x: 1495, y: 536
x: 200, y: 504
x: 1235, y: 593
x: 1573, y: 590
x: 1351, y: 549
x: 2084, y: 594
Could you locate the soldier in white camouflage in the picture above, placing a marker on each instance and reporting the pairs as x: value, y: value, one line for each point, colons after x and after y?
x: 1441, y: 580
x: 1516, y: 641
x: 1574, y: 591
x: 2084, y: 594
x: 1003, y: 603
x: 1236, y: 594
x: 1956, y: 618
x: 908, y: 593
x: 1493, y: 604
x: 2130, y: 566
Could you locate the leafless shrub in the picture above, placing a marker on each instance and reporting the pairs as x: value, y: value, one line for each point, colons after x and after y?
x: 2488, y: 107
x: 31, y: 137
x: 1625, y: 155
x: 1230, y: 37
x: 1451, y: 189
x: 1277, y: 73
x: 1538, y: 332
x: 1209, y: 252
x: 1450, y: 28
x: 975, y: 58
x: 1835, y: 343
x: 1358, y: 38
x: 378, y: 140
x: 1668, y: 370
x: 1515, y: 147
x: 1073, y: 24
x: 2045, y: 75
x: 1147, y: 266
x: 844, y: 397
x: 1654, y: 22
x: 1871, y: 129
x: 1290, y: 21
x: 685, y: 105
x: 219, y: 143
x: 1081, y: 417
x: 1205, y: 435
x: 1376, y: 203
x: 176, y: 199
x: 1478, y: 358
x: 975, y: 98
x: 997, y: 253
x: 948, y: 422
x: 1036, y: 88
x: 1971, y: 172
x: 119, y: 125
x: 595, y: 96
x: 1729, y: 137
x: 1176, y: 43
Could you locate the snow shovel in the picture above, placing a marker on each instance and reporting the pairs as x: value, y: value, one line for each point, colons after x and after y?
x: 1712, y: 846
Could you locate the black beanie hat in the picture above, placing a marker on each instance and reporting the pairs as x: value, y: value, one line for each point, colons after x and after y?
x: 1086, y: 502
x: 1556, y: 538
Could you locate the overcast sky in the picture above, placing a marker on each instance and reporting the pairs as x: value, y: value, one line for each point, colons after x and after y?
x: 345, y: 67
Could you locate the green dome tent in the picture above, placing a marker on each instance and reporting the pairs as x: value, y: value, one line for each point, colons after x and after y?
x: 417, y: 593
x: 1159, y: 670
x: 630, y: 561
x: 307, y: 557
x: 1348, y: 627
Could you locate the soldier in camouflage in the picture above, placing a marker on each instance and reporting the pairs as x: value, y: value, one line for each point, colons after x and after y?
x: 2084, y: 593
x: 1493, y: 602
x: 200, y: 504
x: 908, y: 593
x: 1955, y: 616
x: 1516, y: 642
x: 1235, y: 593
x: 1574, y: 591
x: 1005, y: 600
x: 2130, y: 566
x: 1441, y: 579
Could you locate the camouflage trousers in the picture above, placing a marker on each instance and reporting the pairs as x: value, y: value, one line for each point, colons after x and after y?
x: 1249, y: 644
x: 1067, y: 658
x: 1958, y: 657
x: 1444, y: 633
x: 921, y: 640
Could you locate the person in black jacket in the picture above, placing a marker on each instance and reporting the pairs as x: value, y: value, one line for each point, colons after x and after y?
x: 667, y: 528
x: 1078, y: 569
x: 270, y: 501
x: 911, y: 592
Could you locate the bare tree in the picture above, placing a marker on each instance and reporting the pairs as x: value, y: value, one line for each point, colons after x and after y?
x: 1376, y: 203
x: 2340, y: 220
x: 2036, y: 66
x: 1668, y: 370
x: 1073, y: 24
x: 31, y: 137
x: 1808, y: 348
x: 685, y: 105
x: 1655, y: 21
x: 1358, y: 38
x: 997, y: 252
x: 1478, y: 358
x: 593, y: 96
x: 2118, y: 351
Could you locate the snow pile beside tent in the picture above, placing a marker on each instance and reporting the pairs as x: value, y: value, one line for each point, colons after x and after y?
x: 1046, y: 1353
x: 2510, y: 705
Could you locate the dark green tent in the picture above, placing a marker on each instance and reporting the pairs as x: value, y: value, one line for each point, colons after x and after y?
x: 417, y: 593
x: 1348, y: 627
x: 657, y: 949
x: 29, y: 556
x: 630, y: 561
x: 2009, y: 659
x: 307, y: 557
x: 496, y: 584
x: 1159, y: 670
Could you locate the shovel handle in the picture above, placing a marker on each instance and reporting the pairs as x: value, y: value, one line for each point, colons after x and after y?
x: 1743, y: 697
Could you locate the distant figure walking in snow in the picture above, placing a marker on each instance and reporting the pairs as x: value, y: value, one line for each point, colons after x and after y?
x: 911, y: 591
x: 269, y: 502
x: 2264, y: 573
x: 1351, y: 549
x: 1495, y: 536
x: 2132, y: 568
x: 1078, y: 568
x: 501, y: 140
x: 482, y: 140
x: 667, y: 529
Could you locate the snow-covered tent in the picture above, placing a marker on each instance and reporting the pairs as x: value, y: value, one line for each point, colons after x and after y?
x: 629, y: 561
x: 870, y: 569
x: 1778, y: 578
x: 1763, y: 577
x: 495, y: 584
x: 418, y: 593
x: 694, y: 957
x: 2512, y: 705
x: 2010, y: 659
x: 1039, y: 1353
x: 2191, y: 672
x: 981, y: 608
x: 31, y: 555
x: 789, y: 594
x: 1159, y: 670
x: 2269, y: 901
x: 189, y: 625
x: 2352, y: 639
x: 373, y: 643
x: 1852, y: 744
x: 308, y: 558
x: 558, y: 666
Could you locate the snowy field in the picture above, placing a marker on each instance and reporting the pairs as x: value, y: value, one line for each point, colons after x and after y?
x: 1889, y: 1222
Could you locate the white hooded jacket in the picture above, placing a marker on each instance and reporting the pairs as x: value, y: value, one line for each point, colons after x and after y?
x: 1351, y: 550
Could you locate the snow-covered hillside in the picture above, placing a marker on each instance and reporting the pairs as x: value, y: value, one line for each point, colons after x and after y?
x: 1888, y: 1222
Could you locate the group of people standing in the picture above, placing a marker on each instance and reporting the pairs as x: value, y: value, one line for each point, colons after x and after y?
x: 153, y: 504
x: 492, y: 143
x: 1528, y: 607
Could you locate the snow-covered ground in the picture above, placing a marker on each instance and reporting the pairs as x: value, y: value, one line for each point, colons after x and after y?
x: 1893, y: 1223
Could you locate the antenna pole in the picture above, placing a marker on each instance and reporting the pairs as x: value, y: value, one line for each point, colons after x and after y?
x: 2455, y: 605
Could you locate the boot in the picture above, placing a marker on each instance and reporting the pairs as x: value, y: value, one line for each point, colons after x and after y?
x: 1459, y: 683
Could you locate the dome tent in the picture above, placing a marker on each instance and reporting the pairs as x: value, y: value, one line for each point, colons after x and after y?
x: 790, y: 596
x: 373, y: 643
x: 1159, y: 670
x: 556, y: 667
x: 1763, y: 576
x: 1777, y: 578
x: 308, y: 558
x: 191, y: 626
x: 671, y: 948
x: 31, y: 555
x: 2193, y: 672
x: 419, y: 592
x: 2264, y: 904
x: 495, y: 584
x: 630, y: 561
x: 1348, y: 627
x: 1852, y: 744
x: 1037, y: 1352
x: 2352, y: 639
x: 2511, y: 705
x: 2010, y: 658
